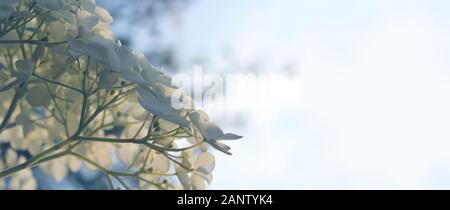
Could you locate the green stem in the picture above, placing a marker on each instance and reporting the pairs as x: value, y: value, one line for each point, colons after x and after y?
x: 32, y: 42
x: 12, y: 107
x: 84, y: 107
x: 56, y: 83
x: 35, y: 159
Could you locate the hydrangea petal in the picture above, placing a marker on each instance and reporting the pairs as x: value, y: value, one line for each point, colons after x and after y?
x: 205, y: 162
x: 103, y: 14
x: 107, y: 79
x: 231, y: 136
x: 198, y: 183
x: 160, y: 163
x: 220, y: 146
x: 24, y: 66
x: 38, y: 96
x: 184, y: 180
x: 51, y: 4
x: 88, y: 5
x: 11, y: 157
x: 212, y: 131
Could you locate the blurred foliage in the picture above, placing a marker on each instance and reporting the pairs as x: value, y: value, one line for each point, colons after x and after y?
x: 74, y: 98
x: 148, y: 15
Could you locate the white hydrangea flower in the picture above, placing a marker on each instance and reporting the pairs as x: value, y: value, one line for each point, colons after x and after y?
x: 211, y: 132
x: 160, y: 163
x: 58, y: 169
x: 107, y: 79
x: 76, y: 66
x: 97, y: 20
x: 57, y: 9
x: 57, y: 32
x: 205, y: 163
x: 88, y: 5
x: 24, y: 68
x: 23, y: 180
x: 203, y: 167
x: 55, y: 129
x: 160, y: 107
x: 52, y: 4
x: 183, y: 175
x: 38, y: 96
x: 98, y: 152
x: 95, y: 46
x: 24, y: 120
x: 74, y: 164
x: 11, y: 157
x: 127, y: 153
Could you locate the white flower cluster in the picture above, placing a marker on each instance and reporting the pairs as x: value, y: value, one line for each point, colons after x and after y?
x: 71, y: 96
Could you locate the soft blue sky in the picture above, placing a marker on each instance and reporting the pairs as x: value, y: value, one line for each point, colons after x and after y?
x: 367, y: 107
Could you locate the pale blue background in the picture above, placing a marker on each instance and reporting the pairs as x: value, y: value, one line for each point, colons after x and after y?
x: 367, y: 105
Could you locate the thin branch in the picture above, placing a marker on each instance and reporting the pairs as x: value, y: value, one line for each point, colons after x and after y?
x: 32, y: 42
x: 17, y: 95
x: 57, y: 83
x: 31, y: 161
